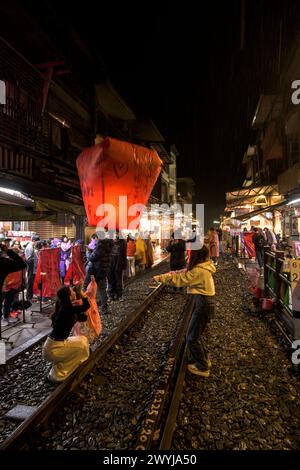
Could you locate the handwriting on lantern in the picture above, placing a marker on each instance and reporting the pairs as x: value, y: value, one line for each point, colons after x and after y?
x: 120, y: 169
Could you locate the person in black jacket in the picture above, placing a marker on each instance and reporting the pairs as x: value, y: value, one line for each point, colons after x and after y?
x: 117, y: 266
x: 177, y: 248
x: 99, y: 266
x: 10, y: 262
x: 66, y: 352
x: 259, y: 242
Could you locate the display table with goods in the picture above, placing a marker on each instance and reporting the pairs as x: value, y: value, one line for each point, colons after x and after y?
x: 282, y: 284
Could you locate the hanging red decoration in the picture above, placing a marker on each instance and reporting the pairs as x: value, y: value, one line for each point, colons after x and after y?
x: 46, y: 281
x: 76, y: 270
x: 249, y: 245
x: 114, y: 176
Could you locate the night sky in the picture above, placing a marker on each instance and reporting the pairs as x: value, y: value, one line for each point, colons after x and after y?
x: 183, y: 64
x: 171, y: 62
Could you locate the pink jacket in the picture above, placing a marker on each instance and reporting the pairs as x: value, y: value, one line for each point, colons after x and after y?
x: 214, y: 244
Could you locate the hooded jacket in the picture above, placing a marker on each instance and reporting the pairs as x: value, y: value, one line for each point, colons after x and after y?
x: 100, y: 259
x: 141, y: 250
x: 177, y: 249
x: 198, y: 280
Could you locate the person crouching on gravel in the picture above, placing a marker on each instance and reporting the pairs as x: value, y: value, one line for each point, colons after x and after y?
x: 64, y: 352
x: 199, y: 281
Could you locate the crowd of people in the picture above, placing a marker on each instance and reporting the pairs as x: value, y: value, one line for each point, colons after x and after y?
x: 76, y: 321
x: 108, y: 261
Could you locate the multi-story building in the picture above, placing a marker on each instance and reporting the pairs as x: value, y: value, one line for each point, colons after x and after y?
x: 50, y: 111
x: 186, y: 190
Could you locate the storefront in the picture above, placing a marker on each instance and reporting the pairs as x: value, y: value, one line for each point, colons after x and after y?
x: 254, y: 207
x: 21, y: 217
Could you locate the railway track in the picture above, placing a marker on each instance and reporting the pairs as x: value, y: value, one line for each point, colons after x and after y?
x: 140, y: 276
x: 126, y: 395
x: 23, y: 380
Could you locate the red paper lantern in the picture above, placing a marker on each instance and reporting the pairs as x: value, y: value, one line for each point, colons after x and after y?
x: 112, y: 169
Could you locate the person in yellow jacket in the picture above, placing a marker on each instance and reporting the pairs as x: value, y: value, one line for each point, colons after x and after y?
x: 141, y: 252
x: 199, y: 281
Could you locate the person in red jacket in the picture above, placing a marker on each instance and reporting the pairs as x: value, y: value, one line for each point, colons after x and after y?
x: 130, y: 253
x: 10, y: 262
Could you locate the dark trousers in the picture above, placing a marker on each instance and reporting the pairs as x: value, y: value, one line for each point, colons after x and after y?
x: 87, y: 280
x: 9, y: 298
x: 260, y: 257
x: 115, y: 279
x: 102, y: 294
x: 30, y: 280
x: 199, y: 320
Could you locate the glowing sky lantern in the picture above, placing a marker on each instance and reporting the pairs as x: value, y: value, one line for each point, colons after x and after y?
x: 115, y: 177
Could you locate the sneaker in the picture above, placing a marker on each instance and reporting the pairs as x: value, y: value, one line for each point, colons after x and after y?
x: 4, y: 322
x: 52, y: 380
x: 12, y: 320
x: 194, y: 370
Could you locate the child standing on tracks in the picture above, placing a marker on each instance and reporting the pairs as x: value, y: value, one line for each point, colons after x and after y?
x: 66, y: 352
x: 199, y: 281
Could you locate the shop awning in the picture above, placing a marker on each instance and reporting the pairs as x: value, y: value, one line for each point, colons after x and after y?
x: 51, y: 205
x: 18, y: 213
x: 249, y: 195
x: 40, y: 209
x: 249, y: 215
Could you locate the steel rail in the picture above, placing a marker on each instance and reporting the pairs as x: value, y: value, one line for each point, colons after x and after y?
x: 160, y: 420
x: 27, y: 429
x: 30, y: 344
x: 169, y: 427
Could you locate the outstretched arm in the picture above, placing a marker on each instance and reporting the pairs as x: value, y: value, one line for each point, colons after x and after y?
x: 180, y: 279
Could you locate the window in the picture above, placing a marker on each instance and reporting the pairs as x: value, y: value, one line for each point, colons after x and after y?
x: 16, y: 226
